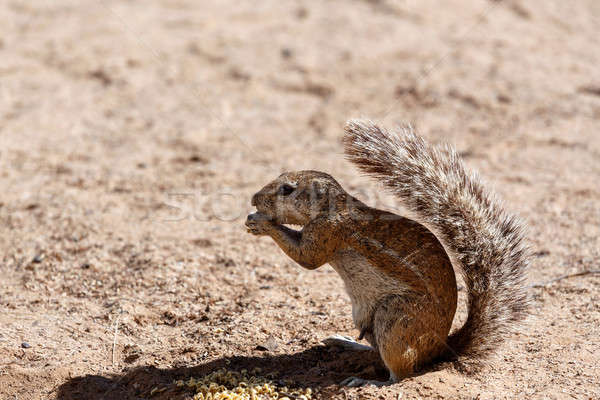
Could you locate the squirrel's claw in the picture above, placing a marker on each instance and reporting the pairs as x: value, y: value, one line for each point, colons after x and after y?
x: 345, y: 342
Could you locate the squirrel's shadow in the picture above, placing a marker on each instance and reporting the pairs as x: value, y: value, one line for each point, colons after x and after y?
x: 318, y: 367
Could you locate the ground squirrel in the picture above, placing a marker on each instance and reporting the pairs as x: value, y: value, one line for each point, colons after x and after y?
x: 398, y: 273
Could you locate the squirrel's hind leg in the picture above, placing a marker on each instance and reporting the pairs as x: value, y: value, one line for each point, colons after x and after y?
x: 408, y: 335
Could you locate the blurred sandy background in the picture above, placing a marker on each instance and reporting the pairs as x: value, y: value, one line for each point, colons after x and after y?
x: 133, y: 133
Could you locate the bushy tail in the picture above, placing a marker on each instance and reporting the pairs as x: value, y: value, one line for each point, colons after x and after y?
x: 485, y: 241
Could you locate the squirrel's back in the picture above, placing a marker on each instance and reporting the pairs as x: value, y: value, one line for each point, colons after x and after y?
x: 484, y: 241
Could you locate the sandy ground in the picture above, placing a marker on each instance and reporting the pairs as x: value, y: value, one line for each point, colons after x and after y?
x: 133, y: 133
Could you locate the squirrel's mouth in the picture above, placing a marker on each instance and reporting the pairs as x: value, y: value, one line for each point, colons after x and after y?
x: 296, y: 227
x: 288, y: 224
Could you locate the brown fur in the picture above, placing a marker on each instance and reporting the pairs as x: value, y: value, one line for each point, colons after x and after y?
x: 397, y: 273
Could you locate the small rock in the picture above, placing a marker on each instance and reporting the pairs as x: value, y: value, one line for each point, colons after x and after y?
x: 38, y: 258
x: 301, y: 13
x: 269, y: 345
x: 201, y: 242
x: 286, y: 52
x: 85, y: 266
x: 202, y: 318
x: 101, y: 75
x: 590, y: 89
x: 542, y: 253
x: 25, y: 345
x: 131, y: 358
x: 198, y: 158
x: 502, y: 98
x: 238, y: 74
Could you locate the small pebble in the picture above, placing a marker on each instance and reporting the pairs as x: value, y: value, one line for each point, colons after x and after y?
x: 286, y: 52
x: 38, y: 258
x: 25, y: 345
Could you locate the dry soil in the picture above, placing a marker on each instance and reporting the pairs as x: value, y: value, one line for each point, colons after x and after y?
x: 133, y: 133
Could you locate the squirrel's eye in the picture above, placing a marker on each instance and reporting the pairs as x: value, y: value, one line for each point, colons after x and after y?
x: 286, y: 189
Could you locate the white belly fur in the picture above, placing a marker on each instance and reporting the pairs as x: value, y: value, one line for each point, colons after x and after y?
x: 365, y: 285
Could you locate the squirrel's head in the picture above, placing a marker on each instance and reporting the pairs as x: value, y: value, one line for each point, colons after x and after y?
x: 298, y: 197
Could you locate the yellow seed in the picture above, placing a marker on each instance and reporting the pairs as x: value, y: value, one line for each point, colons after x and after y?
x: 232, y: 385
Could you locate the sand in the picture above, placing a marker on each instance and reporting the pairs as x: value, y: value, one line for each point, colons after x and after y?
x: 133, y: 134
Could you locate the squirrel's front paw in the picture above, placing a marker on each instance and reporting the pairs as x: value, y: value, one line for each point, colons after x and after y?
x: 258, y: 224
